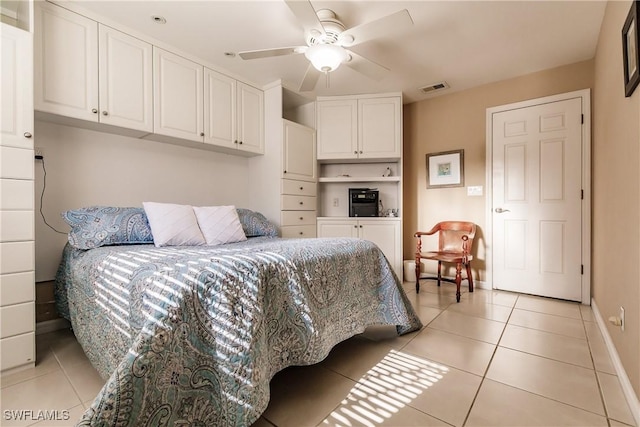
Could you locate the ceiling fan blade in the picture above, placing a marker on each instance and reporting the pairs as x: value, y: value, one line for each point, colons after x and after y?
x: 366, y: 66
x: 310, y: 79
x: 377, y: 28
x: 267, y: 53
x: 306, y: 14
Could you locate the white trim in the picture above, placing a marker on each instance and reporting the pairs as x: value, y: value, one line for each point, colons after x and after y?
x: 585, y: 95
x: 627, y: 388
x: 52, y: 325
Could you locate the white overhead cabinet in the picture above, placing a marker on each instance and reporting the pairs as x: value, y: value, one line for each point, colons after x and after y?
x: 361, y: 127
x: 88, y: 71
x: 17, y: 228
x: 234, y: 114
x: 91, y: 75
x: 178, y: 87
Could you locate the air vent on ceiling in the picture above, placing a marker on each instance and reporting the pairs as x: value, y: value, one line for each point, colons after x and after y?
x: 435, y: 87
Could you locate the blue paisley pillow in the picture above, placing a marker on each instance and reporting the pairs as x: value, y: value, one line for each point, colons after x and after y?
x: 255, y: 224
x: 96, y: 226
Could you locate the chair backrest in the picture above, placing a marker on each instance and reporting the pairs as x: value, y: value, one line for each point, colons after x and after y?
x: 450, y: 235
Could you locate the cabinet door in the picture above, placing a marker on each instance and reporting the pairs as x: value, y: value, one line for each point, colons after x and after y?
x: 380, y: 128
x: 250, y: 119
x: 66, y: 63
x: 219, y: 109
x: 178, y: 101
x: 387, y: 236
x: 126, y: 80
x: 339, y: 228
x: 299, y: 152
x: 17, y: 88
x: 337, y: 129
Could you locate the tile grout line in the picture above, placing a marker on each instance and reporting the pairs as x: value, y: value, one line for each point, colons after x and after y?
x: 484, y: 375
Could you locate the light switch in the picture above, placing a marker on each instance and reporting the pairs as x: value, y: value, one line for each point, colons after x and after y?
x: 474, y: 190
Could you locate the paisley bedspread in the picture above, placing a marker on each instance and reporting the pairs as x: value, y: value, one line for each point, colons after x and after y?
x: 190, y: 336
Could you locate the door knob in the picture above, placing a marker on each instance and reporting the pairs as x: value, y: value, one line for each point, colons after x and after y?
x: 500, y: 210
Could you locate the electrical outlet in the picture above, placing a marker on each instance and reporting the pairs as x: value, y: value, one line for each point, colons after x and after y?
x: 39, y: 151
x: 336, y: 202
x: 622, y: 318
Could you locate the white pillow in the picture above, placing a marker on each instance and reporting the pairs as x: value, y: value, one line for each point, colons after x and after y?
x: 219, y: 224
x: 173, y: 225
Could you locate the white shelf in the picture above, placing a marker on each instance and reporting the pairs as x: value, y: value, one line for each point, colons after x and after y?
x: 360, y: 179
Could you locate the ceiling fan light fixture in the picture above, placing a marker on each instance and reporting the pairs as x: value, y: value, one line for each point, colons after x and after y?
x: 326, y: 57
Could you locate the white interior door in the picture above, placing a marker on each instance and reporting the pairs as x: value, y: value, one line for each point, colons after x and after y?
x: 537, y: 199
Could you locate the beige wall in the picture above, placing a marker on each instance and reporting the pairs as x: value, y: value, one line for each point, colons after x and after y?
x: 616, y: 201
x: 87, y: 168
x: 458, y: 120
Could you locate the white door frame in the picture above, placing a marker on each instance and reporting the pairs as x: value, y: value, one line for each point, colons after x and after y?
x: 585, y: 96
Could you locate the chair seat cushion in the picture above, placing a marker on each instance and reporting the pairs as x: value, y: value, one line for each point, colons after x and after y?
x: 445, y: 256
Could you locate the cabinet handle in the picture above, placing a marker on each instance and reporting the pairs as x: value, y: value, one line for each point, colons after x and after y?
x: 301, y: 218
x: 240, y: 142
x: 94, y: 111
x: 235, y: 142
x: 360, y: 151
x: 104, y: 113
x: 302, y: 188
x: 360, y: 226
x: 27, y: 135
x: 201, y: 133
x: 301, y: 233
x: 302, y: 203
x: 355, y: 226
x: 285, y: 171
x: 355, y: 152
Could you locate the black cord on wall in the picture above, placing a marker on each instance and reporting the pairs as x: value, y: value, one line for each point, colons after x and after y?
x: 44, y: 187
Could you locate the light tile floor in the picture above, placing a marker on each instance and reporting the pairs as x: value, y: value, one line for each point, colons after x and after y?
x: 494, y: 359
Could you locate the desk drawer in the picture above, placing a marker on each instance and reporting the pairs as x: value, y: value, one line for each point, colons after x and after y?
x: 17, y: 319
x: 298, y: 218
x: 298, y: 231
x: 298, y: 203
x: 300, y: 188
x: 17, y: 351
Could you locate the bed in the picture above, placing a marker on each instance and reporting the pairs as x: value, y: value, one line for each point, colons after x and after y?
x: 192, y: 335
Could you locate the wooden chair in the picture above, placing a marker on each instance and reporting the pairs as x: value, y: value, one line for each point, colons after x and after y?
x: 455, y: 240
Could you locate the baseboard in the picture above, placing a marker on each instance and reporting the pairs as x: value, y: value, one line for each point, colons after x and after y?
x: 627, y: 388
x: 52, y: 325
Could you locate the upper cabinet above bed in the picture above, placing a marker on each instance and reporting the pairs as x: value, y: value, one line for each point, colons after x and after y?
x: 93, y: 76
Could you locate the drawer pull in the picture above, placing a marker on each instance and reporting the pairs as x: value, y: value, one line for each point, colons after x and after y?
x: 301, y: 233
x: 301, y: 203
x: 105, y: 113
x: 302, y: 188
x: 301, y: 218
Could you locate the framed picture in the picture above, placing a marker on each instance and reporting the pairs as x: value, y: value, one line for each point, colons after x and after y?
x: 445, y: 169
x: 630, y: 50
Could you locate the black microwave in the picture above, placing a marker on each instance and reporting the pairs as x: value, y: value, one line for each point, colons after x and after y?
x: 363, y: 202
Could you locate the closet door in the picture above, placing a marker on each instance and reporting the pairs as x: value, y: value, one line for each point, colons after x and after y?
x: 17, y: 88
x: 66, y: 63
x: 126, y: 80
x: 178, y: 96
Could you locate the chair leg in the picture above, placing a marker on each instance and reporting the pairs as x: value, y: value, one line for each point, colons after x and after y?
x: 417, y: 275
x: 439, y: 272
x: 469, y: 277
x: 458, y: 280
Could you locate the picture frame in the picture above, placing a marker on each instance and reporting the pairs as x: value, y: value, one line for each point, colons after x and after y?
x: 630, y: 51
x: 445, y: 169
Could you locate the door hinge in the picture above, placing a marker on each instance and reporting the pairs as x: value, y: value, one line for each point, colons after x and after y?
x: 582, y: 119
x: 581, y: 268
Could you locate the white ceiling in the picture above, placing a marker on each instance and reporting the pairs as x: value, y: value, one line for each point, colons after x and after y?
x: 465, y: 43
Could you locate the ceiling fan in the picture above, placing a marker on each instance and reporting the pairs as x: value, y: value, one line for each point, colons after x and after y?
x: 328, y: 41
